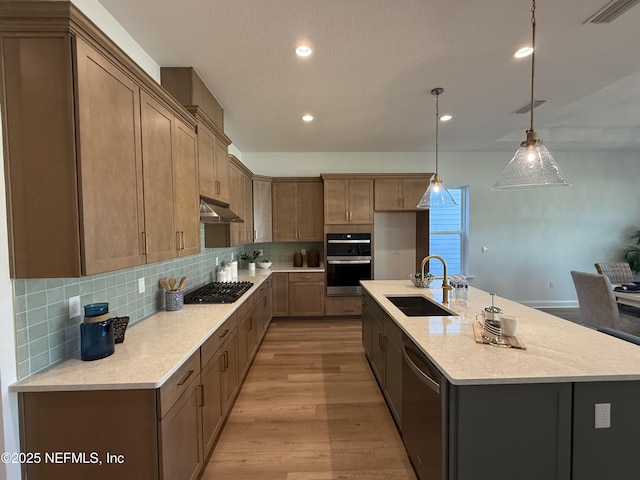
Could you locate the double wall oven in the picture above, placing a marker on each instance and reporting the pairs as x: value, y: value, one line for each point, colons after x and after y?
x: 348, y: 262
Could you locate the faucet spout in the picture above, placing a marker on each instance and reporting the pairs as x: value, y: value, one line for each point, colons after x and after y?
x: 445, y: 286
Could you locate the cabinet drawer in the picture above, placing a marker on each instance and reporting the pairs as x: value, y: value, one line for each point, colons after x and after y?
x: 177, y: 384
x: 306, y: 277
x: 215, y: 341
x: 246, y: 307
x: 342, y: 306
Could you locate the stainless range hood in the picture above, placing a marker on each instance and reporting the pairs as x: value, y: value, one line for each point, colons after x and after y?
x: 212, y: 211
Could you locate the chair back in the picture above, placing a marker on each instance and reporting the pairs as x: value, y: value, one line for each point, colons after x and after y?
x: 617, y: 272
x: 598, y: 307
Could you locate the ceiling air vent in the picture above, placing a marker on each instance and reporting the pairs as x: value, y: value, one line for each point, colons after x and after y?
x: 611, y: 11
x: 527, y: 107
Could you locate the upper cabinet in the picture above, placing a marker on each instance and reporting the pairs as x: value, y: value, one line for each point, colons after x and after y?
x: 76, y: 113
x: 262, y: 211
x: 347, y: 199
x: 399, y: 193
x: 241, y: 202
x: 297, y: 209
x: 189, y: 89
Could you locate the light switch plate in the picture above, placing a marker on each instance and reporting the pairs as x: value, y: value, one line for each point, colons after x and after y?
x: 141, y: 286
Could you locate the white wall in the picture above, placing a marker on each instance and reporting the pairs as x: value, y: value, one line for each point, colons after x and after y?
x: 9, y: 441
x: 394, y: 240
x: 534, y: 237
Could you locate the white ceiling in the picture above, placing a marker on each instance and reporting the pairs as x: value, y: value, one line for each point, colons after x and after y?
x: 375, y: 62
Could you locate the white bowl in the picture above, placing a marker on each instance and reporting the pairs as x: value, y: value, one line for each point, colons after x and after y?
x: 264, y: 265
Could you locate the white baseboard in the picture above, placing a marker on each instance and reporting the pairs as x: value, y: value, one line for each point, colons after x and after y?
x: 550, y: 304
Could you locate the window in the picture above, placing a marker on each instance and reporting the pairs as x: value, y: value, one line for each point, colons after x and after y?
x: 448, y: 235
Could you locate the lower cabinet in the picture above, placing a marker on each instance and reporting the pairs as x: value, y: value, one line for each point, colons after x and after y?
x: 153, y: 434
x: 298, y: 294
x: 382, y: 341
x: 342, y: 306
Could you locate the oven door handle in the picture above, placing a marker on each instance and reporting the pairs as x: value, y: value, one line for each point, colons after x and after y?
x: 349, y: 241
x: 348, y: 262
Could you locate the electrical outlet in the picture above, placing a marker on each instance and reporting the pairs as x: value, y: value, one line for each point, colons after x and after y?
x: 74, y: 307
x: 304, y: 251
x: 232, y: 256
x: 485, y: 249
x: 603, y: 415
x: 261, y: 252
x: 216, y: 261
x: 141, y: 286
x: 552, y: 285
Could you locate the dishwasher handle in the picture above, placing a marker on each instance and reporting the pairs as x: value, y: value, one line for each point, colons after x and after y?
x: 423, y: 377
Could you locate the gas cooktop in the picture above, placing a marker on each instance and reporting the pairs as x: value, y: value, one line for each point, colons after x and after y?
x: 218, y: 292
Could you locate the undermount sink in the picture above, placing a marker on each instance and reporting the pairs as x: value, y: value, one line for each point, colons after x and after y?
x: 417, y: 306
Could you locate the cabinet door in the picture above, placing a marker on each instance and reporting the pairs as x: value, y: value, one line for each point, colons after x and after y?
x: 377, y: 348
x: 236, y: 179
x: 221, y: 171
x: 248, y: 209
x: 284, y: 196
x: 280, y: 294
x: 157, y: 129
x: 206, y: 162
x: 393, y: 378
x: 212, y: 414
x: 367, y: 327
x: 361, y: 200
x: 306, y: 298
x: 229, y: 378
x: 186, y: 198
x: 412, y: 191
x: 336, y: 199
x: 110, y: 166
x: 309, y: 211
x: 388, y: 194
x: 181, y: 436
x: 262, y: 212
x: 243, y: 347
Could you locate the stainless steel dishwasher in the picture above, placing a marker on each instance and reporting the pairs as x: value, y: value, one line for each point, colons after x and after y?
x: 424, y: 413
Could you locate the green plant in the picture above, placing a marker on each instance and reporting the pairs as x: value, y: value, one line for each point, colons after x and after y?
x: 265, y: 260
x: 632, y: 253
x: 251, y: 258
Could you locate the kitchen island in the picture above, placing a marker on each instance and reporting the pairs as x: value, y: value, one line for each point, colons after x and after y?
x: 505, y: 412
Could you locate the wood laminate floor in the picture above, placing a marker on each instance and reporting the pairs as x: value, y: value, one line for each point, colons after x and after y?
x: 310, y: 409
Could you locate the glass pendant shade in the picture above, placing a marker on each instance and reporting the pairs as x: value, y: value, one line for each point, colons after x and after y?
x: 436, y: 195
x: 532, y: 166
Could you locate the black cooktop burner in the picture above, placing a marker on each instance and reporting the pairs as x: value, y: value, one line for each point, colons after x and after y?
x: 218, y: 292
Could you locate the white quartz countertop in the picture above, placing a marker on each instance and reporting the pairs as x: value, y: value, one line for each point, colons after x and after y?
x: 153, y: 349
x: 557, y: 350
x: 291, y: 268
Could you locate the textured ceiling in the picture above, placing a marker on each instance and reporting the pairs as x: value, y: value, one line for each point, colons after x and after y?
x: 375, y: 62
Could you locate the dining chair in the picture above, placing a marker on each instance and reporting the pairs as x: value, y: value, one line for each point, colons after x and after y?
x: 617, y: 272
x: 598, y: 306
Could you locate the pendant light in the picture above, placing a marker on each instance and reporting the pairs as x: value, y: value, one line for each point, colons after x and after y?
x: 532, y: 166
x: 436, y: 195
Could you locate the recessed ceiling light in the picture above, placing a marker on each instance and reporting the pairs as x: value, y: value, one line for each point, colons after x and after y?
x: 445, y: 118
x: 523, y: 52
x: 307, y: 117
x: 304, y: 51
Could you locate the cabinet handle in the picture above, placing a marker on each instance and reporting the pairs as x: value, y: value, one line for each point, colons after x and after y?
x: 250, y: 323
x: 145, y: 247
x: 255, y: 235
x: 186, y: 377
x: 225, y: 361
x: 177, y: 240
x: 201, y: 392
x: 381, y: 340
x: 224, y: 334
x: 346, y: 216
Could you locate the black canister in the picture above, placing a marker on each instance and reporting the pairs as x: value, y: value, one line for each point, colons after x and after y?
x: 313, y: 258
x: 96, y: 332
x: 297, y: 259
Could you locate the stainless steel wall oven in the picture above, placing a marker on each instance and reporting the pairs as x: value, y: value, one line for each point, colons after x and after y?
x: 348, y: 262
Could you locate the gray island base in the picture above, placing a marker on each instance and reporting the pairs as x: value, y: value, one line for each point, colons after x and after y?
x: 503, y: 413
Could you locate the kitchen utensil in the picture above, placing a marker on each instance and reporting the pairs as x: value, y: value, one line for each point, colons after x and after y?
x: 173, y: 300
x: 163, y: 283
x: 172, y: 283
x: 509, y: 325
x: 183, y: 282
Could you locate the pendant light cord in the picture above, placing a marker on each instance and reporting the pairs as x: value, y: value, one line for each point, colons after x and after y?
x: 437, y: 107
x: 533, y: 57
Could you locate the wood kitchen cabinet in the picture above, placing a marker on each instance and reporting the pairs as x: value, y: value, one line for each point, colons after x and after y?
x: 170, y: 183
x: 280, y: 294
x: 80, y: 179
x: 188, y: 88
x: 247, y: 336
x: 241, y: 204
x: 213, y: 162
x: 348, y: 200
x: 306, y: 294
x: 262, y: 211
x: 297, y: 209
x: 399, y: 193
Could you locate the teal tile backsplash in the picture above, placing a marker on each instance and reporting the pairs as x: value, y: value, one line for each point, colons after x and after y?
x: 45, y: 334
